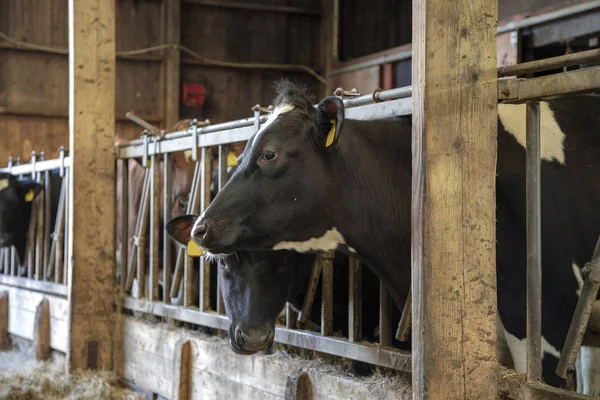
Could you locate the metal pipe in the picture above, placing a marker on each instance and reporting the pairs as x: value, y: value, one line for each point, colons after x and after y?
x: 550, y: 63
x: 124, y: 223
x: 327, y: 293
x: 154, y: 228
x: 144, y: 124
x: 378, y: 96
x: 534, y: 244
x: 47, y: 219
x: 291, y: 317
x: 311, y: 291
x: 354, y: 300
x: 223, y: 177
x: 133, y: 257
x: 58, y: 235
x: 206, y: 159
x: 47, y: 165
x: 402, y: 334
x: 39, y: 203
x: 167, y: 245
x: 582, y: 313
x: 65, y: 237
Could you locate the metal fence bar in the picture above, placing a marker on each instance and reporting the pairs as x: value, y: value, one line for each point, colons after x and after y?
x: 65, y: 238
x: 385, y: 327
x: 124, y: 225
x: 402, y: 333
x: 47, y: 219
x: 140, y: 226
x: 36, y: 286
x: 534, y: 242
x: 550, y: 63
x: 354, y: 300
x: 327, y: 293
x: 222, y: 180
x: 206, y: 160
x: 142, y: 238
x: 56, y: 264
x: 167, y: 245
x: 46, y: 165
x: 311, y: 291
x: 154, y: 228
x: 40, y: 202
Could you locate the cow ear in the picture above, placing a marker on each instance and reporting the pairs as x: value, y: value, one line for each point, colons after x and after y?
x: 180, y: 228
x: 330, y: 117
x: 29, y: 189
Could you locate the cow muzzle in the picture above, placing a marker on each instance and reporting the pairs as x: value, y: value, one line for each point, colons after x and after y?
x: 250, y: 341
x: 214, y: 237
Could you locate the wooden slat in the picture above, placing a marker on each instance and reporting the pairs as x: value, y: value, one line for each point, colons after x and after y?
x: 4, y: 341
x: 453, y: 199
x: 41, y: 331
x: 92, y: 177
x: 182, y: 370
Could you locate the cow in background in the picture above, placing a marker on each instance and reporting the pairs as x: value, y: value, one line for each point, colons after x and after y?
x: 16, y: 199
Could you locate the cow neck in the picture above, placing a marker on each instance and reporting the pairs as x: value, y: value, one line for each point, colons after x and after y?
x: 372, y: 169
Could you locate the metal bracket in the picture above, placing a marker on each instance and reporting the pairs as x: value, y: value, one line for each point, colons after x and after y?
x: 341, y: 93
x: 194, y: 132
x: 61, y: 151
x: 145, y: 155
x: 257, y: 109
x: 33, y: 162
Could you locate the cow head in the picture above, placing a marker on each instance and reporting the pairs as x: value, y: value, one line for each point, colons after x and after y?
x: 279, y: 192
x: 255, y: 287
x: 16, y: 197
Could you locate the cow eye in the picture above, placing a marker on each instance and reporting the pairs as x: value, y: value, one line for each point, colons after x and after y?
x: 269, y: 155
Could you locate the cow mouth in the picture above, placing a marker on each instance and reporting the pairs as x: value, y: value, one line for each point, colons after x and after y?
x: 245, y: 352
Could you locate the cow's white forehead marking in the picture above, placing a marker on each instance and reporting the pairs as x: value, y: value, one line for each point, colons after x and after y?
x: 4, y: 184
x: 329, y: 241
x: 551, y: 136
x: 279, y: 110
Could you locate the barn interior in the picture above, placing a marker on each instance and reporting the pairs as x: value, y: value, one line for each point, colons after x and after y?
x: 133, y: 112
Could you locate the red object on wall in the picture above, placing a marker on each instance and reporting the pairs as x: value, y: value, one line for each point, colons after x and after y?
x: 193, y: 94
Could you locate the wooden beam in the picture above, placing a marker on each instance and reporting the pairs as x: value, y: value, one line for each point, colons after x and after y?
x: 453, y: 199
x: 4, y: 341
x: 298, y: 386
x: 92, y: 176
x: 41, y: 331
x: 172, y: 61
x: 327, y: 50
x: 239, y: 5
x: 182, y: 369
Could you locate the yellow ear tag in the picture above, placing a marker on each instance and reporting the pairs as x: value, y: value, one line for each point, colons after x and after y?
x: 193, y: 250
x: 232, y: 160
x: 29, y: 196
x: 331, y: 134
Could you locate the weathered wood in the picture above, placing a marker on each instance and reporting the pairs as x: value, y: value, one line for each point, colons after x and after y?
x: 298, y: 386
x: 172, y: 11
x: 453, y: 199
x: 182, y: 370
x: 327, y: 51
x: 91, y: 131
x: 41, y: 331
x: 219, y: 373
x: 4, y: 340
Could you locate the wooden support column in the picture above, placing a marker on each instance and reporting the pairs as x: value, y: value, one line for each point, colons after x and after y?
x: 172, y: 61
x: 4, y: 341
x: 453, y: 199
x: 298, y: 386
x: 182, y: 369
x: 91, y: 221
x: 41, y: 331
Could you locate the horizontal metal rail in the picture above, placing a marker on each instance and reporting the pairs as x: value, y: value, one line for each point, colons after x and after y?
x: 390, y: 358
x: 40, y: 166
x: 36, y: 286
x: 550, y: 63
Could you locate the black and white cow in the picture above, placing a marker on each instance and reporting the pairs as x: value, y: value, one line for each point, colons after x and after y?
x: 16, y: 199
x: 291, y: 191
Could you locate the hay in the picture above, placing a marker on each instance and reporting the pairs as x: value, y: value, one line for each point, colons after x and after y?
x: 21, y: 378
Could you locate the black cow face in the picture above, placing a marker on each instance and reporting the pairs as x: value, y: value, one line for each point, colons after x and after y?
x: 278, y: 192
x: 255, y: 287
x: 16, y: 197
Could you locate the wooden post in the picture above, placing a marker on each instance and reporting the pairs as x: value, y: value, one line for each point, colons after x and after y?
x: 182, y: 370
x: 453, y: 199
x: 298, y: 386
x: 41, y: 331
x: 91, y: 220
x: 4, y: 342
x: 172, y: 61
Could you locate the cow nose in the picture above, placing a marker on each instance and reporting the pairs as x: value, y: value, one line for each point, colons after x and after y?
x: 254, y: 339
x: 200, y: 231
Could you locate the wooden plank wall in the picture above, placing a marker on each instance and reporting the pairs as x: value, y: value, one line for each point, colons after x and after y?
x: 34, y: 86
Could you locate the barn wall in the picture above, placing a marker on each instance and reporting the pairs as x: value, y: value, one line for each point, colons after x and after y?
x: 34, y: 84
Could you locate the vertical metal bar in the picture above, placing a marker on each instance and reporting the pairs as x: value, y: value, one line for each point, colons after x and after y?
x: 167, y: 245
x: 291, y: 316
x: 132, y: 264
x: 154, y: 227
x: 40, y: 202
x: 402, y: 333
x: 327, y: 296
x: 179, y: 270
x: 47, y: 219
x: 124, y: 222
x: 204, y: 201
x: 354, y: 300
x: 223, y: 177
x: 309, y: 297
x: 385, y: 329
x: 2, y: 256
x: 142, y: 238
x: 534, y: 242
x: 65, y: 237
x: 59, y: 229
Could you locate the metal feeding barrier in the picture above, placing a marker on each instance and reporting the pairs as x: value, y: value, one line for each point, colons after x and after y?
x: 377, y: 105
x: 44, y: 267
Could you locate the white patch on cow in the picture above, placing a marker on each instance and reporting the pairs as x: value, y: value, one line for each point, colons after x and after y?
x: 551, y: 136
x: 587, y: 368
x: 4, y: 184
x: 502, y: 349
x: 276, y: 113
x: 329, y: 241
x: 518, y: 350
x: 578, y: 278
